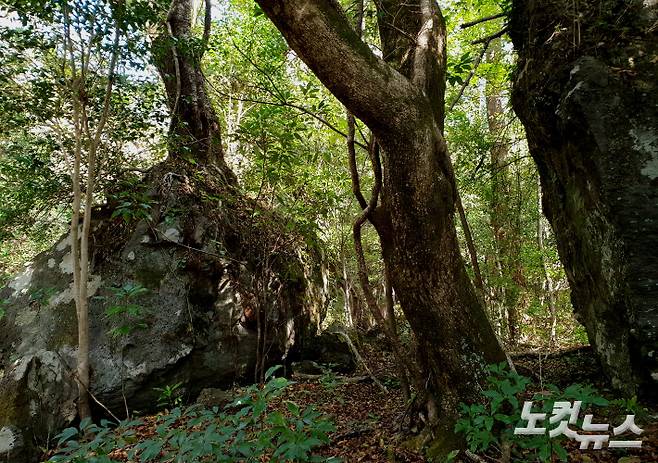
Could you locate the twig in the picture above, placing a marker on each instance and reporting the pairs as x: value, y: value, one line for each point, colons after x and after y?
x: 282, y: 103
x: 481, y: 20
x: 346, y: 379
x: 491, y: 37
x: 473, y: 457
x: 352, y: 434
x: 74, y: 375
x: 361, y: 361
x: 486, y: 41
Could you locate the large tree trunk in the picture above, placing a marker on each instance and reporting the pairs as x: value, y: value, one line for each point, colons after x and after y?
x: 587, y: 93
x: 194, y: 130
x: 415, y: 217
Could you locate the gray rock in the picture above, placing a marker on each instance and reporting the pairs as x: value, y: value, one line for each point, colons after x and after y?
x: 330, y: 350
x: 11, y: 443
x: 307, y: 367
x: 214, y: 397
x: 190, y: 329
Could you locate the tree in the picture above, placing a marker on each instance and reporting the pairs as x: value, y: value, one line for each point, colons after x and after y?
x: 586, y: 92
x: 415, y: 215
x: 194, y: 130
x: 505, y: 212
x: 87, y: 142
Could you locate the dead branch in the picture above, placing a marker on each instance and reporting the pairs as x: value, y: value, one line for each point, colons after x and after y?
x: 361, y: 361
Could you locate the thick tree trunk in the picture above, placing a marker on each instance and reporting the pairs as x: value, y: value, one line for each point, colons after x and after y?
x: 416, y: 217
x: 587, y: 93
x: 194, y: 130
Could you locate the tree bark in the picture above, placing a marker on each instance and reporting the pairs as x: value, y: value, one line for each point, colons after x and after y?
x: 504, y: 216
x: 587, y: 94
x: 194, y: 130
x: 415, y: 217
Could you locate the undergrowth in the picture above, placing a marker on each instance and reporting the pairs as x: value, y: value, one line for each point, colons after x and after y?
x: 244, y: 431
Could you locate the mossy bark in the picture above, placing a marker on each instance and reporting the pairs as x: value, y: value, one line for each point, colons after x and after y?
x: 587, y: 93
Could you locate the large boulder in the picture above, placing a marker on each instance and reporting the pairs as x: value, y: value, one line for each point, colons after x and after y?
x: 194, y: 273
x: 587, y: 94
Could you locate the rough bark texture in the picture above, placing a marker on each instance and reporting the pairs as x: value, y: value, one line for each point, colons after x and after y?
x: 587, y: 93
x: 415, y: 217
x: 194, y: 129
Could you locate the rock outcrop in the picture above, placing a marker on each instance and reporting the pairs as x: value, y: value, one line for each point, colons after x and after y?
x: 586, y: 90
x: 176, y: 295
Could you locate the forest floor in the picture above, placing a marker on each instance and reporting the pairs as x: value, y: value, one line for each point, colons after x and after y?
x: 371, y: 424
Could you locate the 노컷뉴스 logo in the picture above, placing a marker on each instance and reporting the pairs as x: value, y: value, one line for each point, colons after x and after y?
x: 565, y: 414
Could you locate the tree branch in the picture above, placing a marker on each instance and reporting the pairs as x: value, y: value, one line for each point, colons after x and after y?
x: 487, y: 41
x: 322, y: 36
x: 354, y: 171
x: 284, y: 104
x: 482, y: 20
x: 491, y: 37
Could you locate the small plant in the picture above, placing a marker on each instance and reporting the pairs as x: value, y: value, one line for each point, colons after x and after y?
x: 621, y: 406
x: 489, y: 426
x: 391, y: 382
x: 169, y: 396
x: 42, y: 295
x: 131, y: 316
x: 329, y: 379
x: 245, y: 431
x: 132, y: 204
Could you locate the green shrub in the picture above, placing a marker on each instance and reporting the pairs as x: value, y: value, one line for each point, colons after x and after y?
x: 169, y: 396
x: 129, y: 315
x: 243, y: 432
x: 489, y: 426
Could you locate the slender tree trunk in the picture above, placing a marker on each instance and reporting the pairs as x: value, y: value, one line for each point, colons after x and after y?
x: 347, y: 294
x: 415, y: 217
x: 547, y: 285
x: 504, y: 221
x: 472, y: 251
x: 86, y: 141
x: 393, y: 328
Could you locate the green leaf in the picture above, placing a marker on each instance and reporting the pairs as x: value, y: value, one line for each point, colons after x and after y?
x: 270, y: 371
x: 292, y: 408
x: 66, y: 435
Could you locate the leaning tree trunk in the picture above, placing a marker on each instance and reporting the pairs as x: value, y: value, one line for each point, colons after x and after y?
x: 415, y: 217
x: 587, y: 93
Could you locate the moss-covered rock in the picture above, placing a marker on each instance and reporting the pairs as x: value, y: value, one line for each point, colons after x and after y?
x: 200, y: 277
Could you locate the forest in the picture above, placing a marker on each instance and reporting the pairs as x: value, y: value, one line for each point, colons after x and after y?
x: 328, y: 231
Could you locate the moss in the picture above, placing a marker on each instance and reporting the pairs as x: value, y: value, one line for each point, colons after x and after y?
x: 8, y: 413
x: 443, y: 444
x: 151, y: 272
x: 67, y: 328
